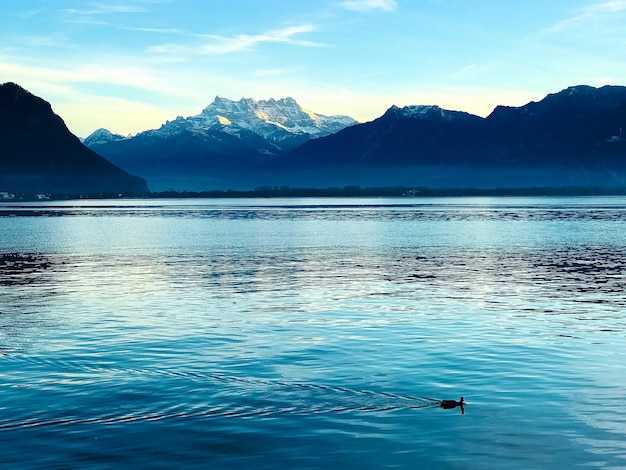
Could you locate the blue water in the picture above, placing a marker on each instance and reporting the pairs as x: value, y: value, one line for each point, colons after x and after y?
x: 303, y: 333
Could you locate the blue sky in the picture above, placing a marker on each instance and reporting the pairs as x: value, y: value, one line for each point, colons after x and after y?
x: 130, y: 65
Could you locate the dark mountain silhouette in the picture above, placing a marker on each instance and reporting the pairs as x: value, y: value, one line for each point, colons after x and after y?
x: 570, y: 138
x: 566, y: 128
x: 38, y: 154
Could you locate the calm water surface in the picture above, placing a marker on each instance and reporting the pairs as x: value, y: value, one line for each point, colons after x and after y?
x: 303, y: 333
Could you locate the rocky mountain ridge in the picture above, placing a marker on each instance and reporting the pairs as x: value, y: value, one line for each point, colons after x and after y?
x: 233, y: 137
x: 283, y: 123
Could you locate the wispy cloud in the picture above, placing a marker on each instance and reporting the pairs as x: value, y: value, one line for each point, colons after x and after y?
x: 365, y: 5
x: 152, y: 30
x: 593, y: 14
x: 99, y: 72
x: 606, y: 81
x: 105, y: 9
x: 27, y: 14
x: 218, y: 45
x: 53, y: 40
x: 98, y: 14
x: 270, y: 72
x: 463, y: 72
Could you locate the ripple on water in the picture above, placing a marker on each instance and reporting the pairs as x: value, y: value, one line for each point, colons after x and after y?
x: 299, y: 337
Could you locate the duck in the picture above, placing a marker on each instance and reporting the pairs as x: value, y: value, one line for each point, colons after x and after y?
x: 450, y: 404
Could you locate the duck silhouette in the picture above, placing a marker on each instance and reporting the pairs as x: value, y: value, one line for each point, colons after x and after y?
x: 451, y: 404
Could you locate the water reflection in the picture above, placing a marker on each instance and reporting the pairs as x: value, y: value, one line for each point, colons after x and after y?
x: 384, y: 209
x: 22, y: 268
x: 28, y: 289
x: 319, y: 326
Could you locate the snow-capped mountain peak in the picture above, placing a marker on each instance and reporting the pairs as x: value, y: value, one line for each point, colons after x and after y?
x: 101, y: 136
x: 427, y: 112
x: 278, y: 121
x: 249, y: 127
x: 421, y: 110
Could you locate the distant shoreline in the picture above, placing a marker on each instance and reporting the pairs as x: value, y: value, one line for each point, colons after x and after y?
x: 355, y: 191
x: 338, y: 192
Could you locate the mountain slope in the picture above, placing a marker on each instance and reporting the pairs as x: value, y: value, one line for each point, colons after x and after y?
x: 402, y: 136
x: 222, y: 147
x: 565, y: 139
x: 38, y: 154
x: 569, y: 138
x: 571, y: 127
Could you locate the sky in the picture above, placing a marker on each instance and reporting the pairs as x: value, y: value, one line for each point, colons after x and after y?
x: 130, y: 65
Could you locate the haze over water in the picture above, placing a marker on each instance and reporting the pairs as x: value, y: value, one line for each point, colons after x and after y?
x: 302, y: 333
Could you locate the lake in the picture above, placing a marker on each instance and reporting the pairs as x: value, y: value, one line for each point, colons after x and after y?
x: 308, y: 333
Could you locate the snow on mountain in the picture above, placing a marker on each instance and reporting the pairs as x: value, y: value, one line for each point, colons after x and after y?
x: 101, y: 136
x: 431, y: 112
x: 276, y: 121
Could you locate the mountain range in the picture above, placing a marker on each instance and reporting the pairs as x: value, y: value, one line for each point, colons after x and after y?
x: 572, y: 138
x: 222, y: 147
x: 39, y: 155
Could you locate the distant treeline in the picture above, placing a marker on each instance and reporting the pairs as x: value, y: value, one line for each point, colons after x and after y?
x: 356, y: 191
x: 346, y: 191
x: 286, y: 191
